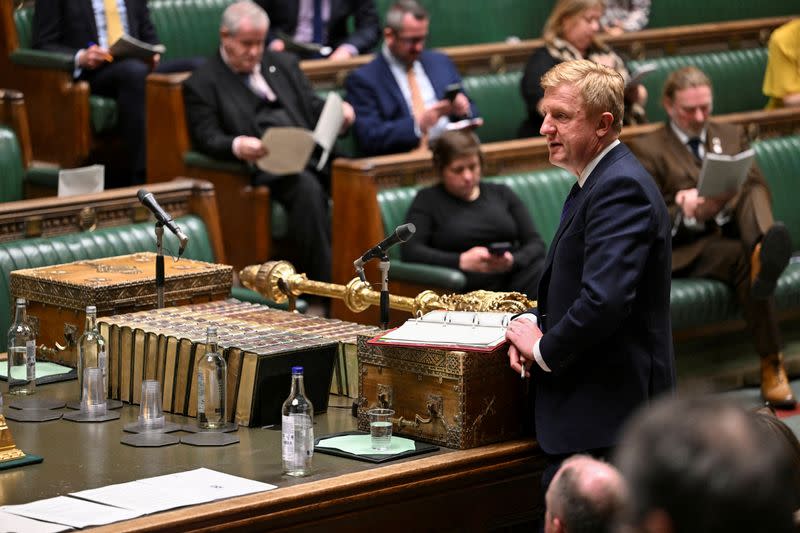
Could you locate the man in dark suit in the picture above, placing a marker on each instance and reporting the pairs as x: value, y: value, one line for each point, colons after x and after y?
x: 324, y: 22
x: 733, y: 240
x: 240, y: 93
x: 599, y: 345
x: 399, y: 97
x: 86, y: 29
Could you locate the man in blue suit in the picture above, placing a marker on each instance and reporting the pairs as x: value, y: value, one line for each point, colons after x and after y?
x: 399, y: 97
x: 599, y: 345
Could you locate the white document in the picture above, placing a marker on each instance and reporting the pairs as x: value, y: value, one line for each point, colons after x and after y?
x: 328, y: 126
x: 71, y: 512
x: 127, y: 46
x: 452, y: 328
x: 288, y: 150
x: 160, y: 493
x: 723, y: 173
x: 10, y: 522
x: 82, y: 180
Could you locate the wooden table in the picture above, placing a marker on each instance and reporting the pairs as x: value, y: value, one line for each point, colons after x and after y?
x: 482, y: 489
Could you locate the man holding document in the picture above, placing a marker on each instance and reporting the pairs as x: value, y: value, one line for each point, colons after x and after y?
x: 243, y: 92
x: 723, y: 227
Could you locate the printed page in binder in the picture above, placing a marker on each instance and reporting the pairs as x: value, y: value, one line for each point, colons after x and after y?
x: 451, y: 330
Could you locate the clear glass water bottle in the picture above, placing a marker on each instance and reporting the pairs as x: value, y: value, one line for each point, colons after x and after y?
x: 92, y: 348
x: 212, y: 375
x: 297, y: 428
x: 21, y: 368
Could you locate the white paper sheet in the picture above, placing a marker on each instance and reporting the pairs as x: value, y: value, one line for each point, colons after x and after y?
x: 71, y: 512
x: 170, y: 491
x: 10, y: 522
x: 328, y: 126
x: 722, y: 174
x: 81, y: 180
x: 288, y: 150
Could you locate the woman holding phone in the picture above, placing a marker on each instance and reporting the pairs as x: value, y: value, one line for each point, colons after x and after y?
x: 481, y: 229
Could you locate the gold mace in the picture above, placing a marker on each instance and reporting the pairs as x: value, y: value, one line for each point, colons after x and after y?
x: 278, y: 281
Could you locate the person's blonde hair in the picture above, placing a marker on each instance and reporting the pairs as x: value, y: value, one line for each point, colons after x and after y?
x: 600, y: 87
x: 684, y: 78
x: 554, y: 26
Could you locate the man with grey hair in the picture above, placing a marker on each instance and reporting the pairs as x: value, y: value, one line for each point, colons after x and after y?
x: 401, y: 97
x: 585, y: 496
x: 238, y: 95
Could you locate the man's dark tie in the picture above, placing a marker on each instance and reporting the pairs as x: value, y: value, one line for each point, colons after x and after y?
x: 317, y: 37
x: 573, y: 192
x: 694, y: 144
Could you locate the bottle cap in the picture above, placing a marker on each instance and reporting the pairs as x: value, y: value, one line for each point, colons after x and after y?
x: 91, y: 309
x: 297, y: 370
x: 211, y: 329
x: 20, y: 301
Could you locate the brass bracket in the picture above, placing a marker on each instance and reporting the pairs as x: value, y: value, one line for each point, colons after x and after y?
x: 385, y: 396
x: 70, y: 336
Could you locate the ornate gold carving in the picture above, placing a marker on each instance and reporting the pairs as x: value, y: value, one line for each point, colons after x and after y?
x: 8, y: 450
x: 87, y: 219
x: 33, y: 226
x: 268, y: 278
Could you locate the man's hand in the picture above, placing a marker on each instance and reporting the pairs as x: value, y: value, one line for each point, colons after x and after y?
x: 349, y: 115
x: 460, y: 106
x: 93, y: 57
x: 249, y: 148
x: 277, y: 45
x: 154, y: 61
x: 431, y: 115
x: 341, y: 52
x: 522, y: 333
x: 688, y: 201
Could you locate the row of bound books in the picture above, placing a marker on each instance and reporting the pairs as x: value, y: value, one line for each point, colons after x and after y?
x: 259, y: 344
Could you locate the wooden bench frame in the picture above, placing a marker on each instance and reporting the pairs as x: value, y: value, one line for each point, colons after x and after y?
x: 49, y: 217
x: 356, y: 182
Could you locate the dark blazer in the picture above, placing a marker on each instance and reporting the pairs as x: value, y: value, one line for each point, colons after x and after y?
x: 68, y: 25
x: 220, y: 106
x: 283, y: 17
x: 604, y: 309
x: 674, y: 168
x: 384, y: 124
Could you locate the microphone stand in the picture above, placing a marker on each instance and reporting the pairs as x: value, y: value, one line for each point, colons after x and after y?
x: 383, y: 266
x: 159, y: 265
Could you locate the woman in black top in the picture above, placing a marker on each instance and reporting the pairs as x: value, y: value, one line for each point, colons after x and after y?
x: 458, y: 219
x: 571, y: 33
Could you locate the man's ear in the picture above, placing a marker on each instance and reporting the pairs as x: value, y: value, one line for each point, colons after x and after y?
x: 604, y: 123
x: 558, y: 525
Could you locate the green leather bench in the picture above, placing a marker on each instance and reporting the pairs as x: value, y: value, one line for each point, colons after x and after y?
x: 736, y: 76
x: 695, y: 303
x: 665, y: 13
x: 15, y: 176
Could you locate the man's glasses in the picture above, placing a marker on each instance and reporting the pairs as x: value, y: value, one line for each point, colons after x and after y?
x: 410, y: 41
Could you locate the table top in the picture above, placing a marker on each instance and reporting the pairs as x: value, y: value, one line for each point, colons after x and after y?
x: 80, y: 456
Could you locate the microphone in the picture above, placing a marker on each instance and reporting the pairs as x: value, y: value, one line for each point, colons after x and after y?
x: 401, y: 234
x: 149, y: 201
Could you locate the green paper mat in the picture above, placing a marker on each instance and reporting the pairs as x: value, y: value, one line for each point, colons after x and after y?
x: 27, y: 460
x: 46, y: 372
x: 361, y: 449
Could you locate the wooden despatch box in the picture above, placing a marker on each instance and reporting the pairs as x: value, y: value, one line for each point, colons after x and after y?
x: 58, y: 295
x: 455, y: 399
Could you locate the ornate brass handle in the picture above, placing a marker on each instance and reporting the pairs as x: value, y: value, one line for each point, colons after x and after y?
x: 434, y: 407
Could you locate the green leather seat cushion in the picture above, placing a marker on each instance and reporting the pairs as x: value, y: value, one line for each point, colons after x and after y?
x: 10, y: 166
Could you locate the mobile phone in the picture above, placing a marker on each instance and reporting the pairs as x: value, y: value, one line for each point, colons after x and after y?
x: 452, y: 90
x: 499, y: 248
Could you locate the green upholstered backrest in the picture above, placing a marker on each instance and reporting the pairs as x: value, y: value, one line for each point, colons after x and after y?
x: 188, y: 28
x: 11, y: 171
x: 394, y: 204
x: 480, y: 21
x: 779, y: 160
x: 543, y: 193
x: 665, y: 13
x: 23, y: 20
x: 133, y: 238
x: 102, y: 113
x: 499, y: 102
x: 736, y: 76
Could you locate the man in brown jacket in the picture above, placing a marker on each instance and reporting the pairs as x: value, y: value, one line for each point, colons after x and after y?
x: 733, y: 239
